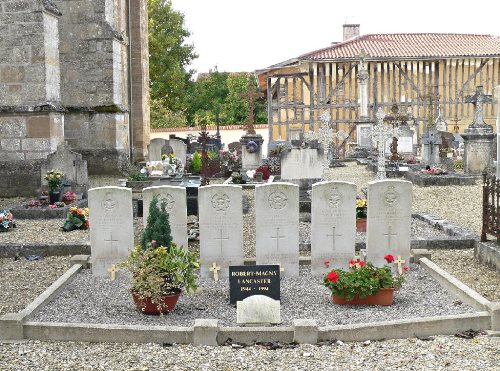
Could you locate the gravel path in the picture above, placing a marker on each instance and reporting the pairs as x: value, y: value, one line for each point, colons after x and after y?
x: 92, y: 300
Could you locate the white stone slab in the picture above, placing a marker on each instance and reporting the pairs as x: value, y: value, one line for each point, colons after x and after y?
x: 111, y: 227
x: 155, y: 148
x: 389, y: 220
x: 179, y: 148
x: 221, y: 228
x: 277, y: 226
x: 333, y: 225
x: 258, y: 309
x: 175, y: 202
x: 302, y: 163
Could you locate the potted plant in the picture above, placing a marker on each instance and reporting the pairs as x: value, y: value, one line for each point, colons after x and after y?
x: 160, y: 269
x: 55, y: 179
x: 361, y: 210
x: 364, y: 284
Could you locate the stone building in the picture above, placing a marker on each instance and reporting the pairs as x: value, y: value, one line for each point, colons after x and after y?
x: 407, y: 69
x: 73, y: 70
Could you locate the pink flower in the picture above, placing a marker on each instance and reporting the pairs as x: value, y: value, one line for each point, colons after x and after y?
x: 406, y: 268
x: 326, y: 263
x: 153, y: 242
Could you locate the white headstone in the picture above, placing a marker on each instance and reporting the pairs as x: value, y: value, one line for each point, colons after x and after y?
x: 277, y: 226
x: 175, y: 202
x: 302, y: 163
x: 155, y: 148
x: 111, y: 227
x: 180, y: 149
x: 258, y: 309
x: 221, y: 228
x: 333, y: 226
x: 389, y: 220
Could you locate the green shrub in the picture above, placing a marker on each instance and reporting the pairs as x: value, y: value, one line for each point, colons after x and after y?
x: 196, y: 163
x: 158, y: 228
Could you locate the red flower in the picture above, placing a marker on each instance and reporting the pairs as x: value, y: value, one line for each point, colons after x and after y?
x: 361, y: 263
x: 326, y: 263
x: 389, y: 258
x: 352, y: 262
x: 332, y: 276
x: 406, y: 268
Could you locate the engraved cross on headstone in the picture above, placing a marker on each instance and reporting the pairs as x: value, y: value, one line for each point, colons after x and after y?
x: 478, y: 99
x: 389, y: 234
x: 110, y: 240
x: 221, y: 240
x: 333, y: 235
x: 215, y: 270
x: 277, y: 238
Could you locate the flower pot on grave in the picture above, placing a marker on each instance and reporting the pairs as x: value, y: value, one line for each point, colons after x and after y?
x: 54, y: 197
x: 361, y: 224
x: 383, y: 297
x: 146, y: 306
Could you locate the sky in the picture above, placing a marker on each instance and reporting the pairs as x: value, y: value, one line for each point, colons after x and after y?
x: 247, y: 35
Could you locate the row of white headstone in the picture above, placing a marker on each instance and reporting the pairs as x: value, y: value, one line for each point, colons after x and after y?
x: 333, y: 229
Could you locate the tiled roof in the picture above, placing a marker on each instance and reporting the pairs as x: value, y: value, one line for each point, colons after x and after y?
x: 408, y: 45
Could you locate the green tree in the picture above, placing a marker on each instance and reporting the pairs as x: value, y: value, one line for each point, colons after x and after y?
x: 169, y: 56
x: 158, y: 228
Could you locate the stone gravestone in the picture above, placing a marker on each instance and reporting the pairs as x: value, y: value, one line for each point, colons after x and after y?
x: 248, y: 280
x: 221, y: 228
x: 71, y: 164
x: 111, y: 227
x: 333, y: 226
x: 175, y: 200
x: 389, y: 220
x: 158, y: 147
x: 301, y: 163
x: 431, y: 142
x: 277, y: 226
x: 179, y: 148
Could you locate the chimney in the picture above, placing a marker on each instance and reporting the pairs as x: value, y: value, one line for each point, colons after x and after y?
x: 350, y: 31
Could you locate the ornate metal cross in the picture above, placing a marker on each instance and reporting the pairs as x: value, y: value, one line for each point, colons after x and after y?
x: 215, y: 270
x: 396, y: 119
x: 251, y: 95
x: 380, y: 133
x: 478, y: 99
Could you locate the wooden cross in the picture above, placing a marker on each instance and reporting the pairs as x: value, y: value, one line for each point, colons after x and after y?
x: 389, y: 234
x: 333, y: 235
x: 113, y: 271
x: 400, y: 263
x: 277, y: 238
x: 251, y: 95
x: 221, y: 239
x: 215, y: 270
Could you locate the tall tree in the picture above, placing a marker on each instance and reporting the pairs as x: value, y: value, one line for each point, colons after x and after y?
x: 169, y: 55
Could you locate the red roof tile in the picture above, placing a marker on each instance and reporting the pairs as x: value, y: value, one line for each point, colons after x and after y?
x: 408, y: 45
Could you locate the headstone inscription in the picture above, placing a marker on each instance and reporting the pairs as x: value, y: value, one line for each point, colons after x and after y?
x: 112, y: 230
x: 175, y: 205
x: 221, y: 228
x: 245, y: 281
x: 277, y: 226
x: 333, y: 225
x: 389, y: 220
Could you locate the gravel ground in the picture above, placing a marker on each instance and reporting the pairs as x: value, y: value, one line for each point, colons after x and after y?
x: 460, y: 205
x: 92, y: 300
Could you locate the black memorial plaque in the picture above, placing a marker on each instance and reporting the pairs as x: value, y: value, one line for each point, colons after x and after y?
x: 245, y: 281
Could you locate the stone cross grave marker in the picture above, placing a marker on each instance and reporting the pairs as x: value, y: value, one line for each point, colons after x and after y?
x: 112, y: 231
x: 277, y: 226
x: 221, y: 228
x: 380, y: 133
x: 478, y: 99
x: 175, y: 205
x: 389, y: 220
x: 333, y: 225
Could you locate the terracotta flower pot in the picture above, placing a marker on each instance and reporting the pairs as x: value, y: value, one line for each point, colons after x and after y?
x: 383, y: 297
x: 147, y: 307
x: 361, y: 224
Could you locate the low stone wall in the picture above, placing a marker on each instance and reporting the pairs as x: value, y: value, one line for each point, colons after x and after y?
x: 489, y: 253
x: 20, y: 178
x: 427, y: 180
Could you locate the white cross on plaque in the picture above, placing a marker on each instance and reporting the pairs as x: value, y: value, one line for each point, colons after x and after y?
x: 400, y: 263
x: 113, y: 271
x: 277, y: 238
x: 215, y: 270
